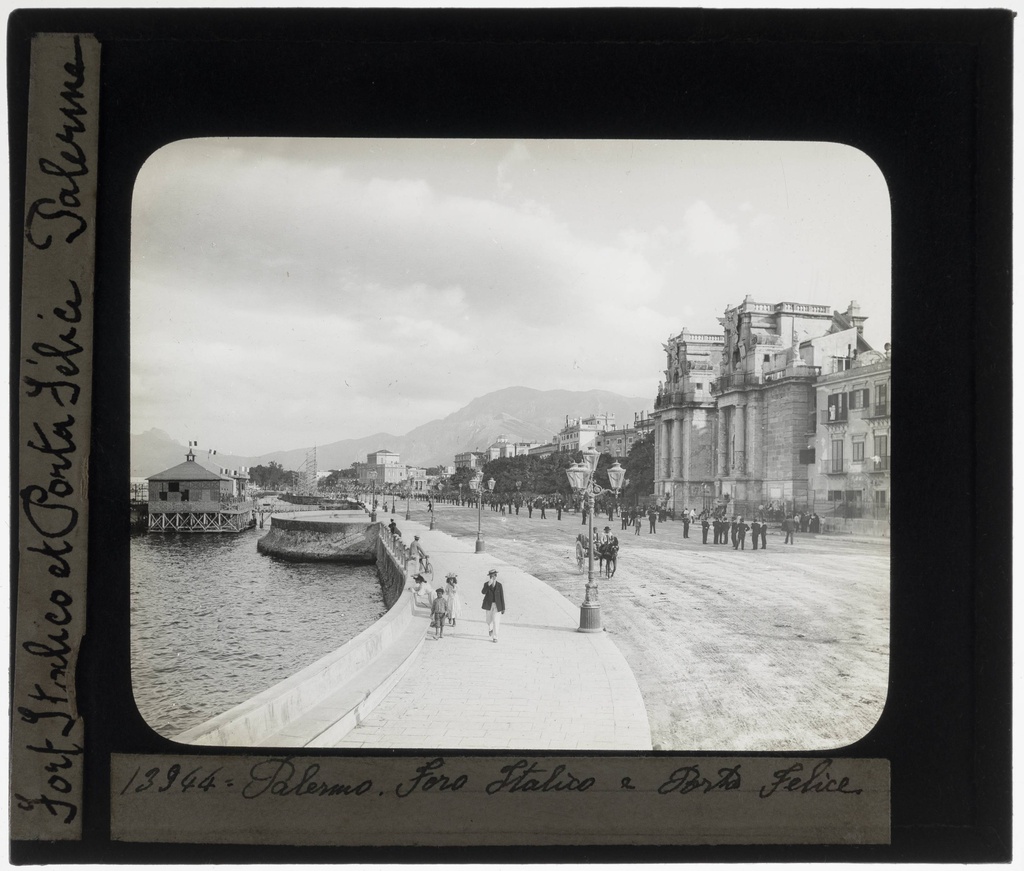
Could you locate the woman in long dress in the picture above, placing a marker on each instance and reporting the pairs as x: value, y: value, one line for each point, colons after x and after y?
x: 451, y: 594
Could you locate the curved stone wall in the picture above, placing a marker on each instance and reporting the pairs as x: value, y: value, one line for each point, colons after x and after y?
x: 322, y: 536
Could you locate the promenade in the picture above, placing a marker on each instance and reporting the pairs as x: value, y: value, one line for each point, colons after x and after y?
x: 543, y: 685
x: 782, y: 649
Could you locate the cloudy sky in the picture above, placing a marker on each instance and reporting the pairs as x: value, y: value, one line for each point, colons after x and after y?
x: 287, y: 293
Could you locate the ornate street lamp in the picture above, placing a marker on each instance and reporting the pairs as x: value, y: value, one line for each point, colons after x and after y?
x: 478, y: 484
x: 408, y: 491
x: 581, y: 479
x: 440, y: 487
x: 373, y: 497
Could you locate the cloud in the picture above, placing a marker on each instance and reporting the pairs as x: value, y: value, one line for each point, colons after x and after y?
x: 706, y: 233
x: 339, y: 288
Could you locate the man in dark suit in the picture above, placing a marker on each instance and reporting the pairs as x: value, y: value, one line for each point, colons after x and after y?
x: 704, y: 524
x: 755, y: 531
x: 764, y: 533
x: 493, y: 604
x: 686, y: 523
x: 741, y: 535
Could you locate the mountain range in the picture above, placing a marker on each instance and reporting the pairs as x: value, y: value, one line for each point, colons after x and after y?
x: 519, y: 413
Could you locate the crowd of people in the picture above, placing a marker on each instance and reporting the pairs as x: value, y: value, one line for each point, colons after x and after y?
x: 445, y: 604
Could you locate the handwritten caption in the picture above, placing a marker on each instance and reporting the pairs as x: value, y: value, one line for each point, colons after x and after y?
x: 54, y: 408
x: 287, y: 777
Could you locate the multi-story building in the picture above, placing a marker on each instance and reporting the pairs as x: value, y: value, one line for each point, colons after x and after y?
x: 545, y: 450
x: 737, y: 411
x: 579, y: 433
x: 470, y: 460
x: 850, y: 476
x: 381, y: 467
x: 643, y: 423
x: 684, y: 419
x: 502, y: 447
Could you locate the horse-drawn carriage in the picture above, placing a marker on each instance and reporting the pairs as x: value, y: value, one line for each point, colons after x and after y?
x: 606, y: 553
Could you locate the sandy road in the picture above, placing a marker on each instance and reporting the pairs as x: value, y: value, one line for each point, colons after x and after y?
x: 783, y: 649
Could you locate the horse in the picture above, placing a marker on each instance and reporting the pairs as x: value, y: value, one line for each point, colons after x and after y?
x: 608, y: 553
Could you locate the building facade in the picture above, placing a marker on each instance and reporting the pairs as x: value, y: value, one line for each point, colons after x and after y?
x: 684, y: 419
x: 470, y: 460
x: 579, y: 433
x: 191, y: 497
x: 381, y: 467
x: 851, y: 476
x: 735, y: 420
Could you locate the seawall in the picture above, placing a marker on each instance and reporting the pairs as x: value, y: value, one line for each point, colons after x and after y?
x: 322, y: 536
x: 350, y: 680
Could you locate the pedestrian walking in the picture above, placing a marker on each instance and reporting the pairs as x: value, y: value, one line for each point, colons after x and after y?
x: 529, y: 508
x: 624, y: 517
x: 637, y: 522
x: 451, y: 588
x: 704, y: 524
x: 558, y: 508
x: 686, y: 524
x: 652, y: 518
x: 493, y: 604
x: 543, y: 516
x: 764, y: 533
x: 755, y: 532
x: 787, y: 527
x: 438, y: 615
x: 735, y: 531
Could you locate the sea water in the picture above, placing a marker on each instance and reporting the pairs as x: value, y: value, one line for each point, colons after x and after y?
x: 213, y: 622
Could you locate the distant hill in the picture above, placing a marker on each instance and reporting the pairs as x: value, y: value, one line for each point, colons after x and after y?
x: 519, y: 413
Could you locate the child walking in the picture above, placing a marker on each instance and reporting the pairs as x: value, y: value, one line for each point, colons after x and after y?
x: 438, y: 613
x: 451, y: 595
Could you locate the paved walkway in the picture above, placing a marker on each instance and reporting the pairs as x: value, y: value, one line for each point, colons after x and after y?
x: 542, y: 686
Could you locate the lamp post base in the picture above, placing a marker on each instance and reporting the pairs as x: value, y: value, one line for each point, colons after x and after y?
x: 431, y: 521
x: 590, y: 618
x: 479, y: 545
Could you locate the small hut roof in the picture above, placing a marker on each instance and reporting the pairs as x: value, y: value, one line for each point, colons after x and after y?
x: 190, y: 470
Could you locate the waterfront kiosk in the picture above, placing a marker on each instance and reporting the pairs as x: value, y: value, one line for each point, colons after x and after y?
x: 191, y: 497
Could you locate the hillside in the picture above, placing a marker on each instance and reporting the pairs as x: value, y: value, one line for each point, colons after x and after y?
x: 520, y: 413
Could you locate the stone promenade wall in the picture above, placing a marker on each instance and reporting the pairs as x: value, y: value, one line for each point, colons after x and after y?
x: 254, y: 721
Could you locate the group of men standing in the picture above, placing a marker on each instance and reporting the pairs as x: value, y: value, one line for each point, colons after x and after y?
x: 735, y: 531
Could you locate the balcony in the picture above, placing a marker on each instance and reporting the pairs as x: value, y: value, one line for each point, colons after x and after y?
x: 735, y: 382
x: 800, y: 371
x: 878, y: 410
x: 679, y: 397
x: 839, y: 418
x: 836, y: 467
x: 878, y: 464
